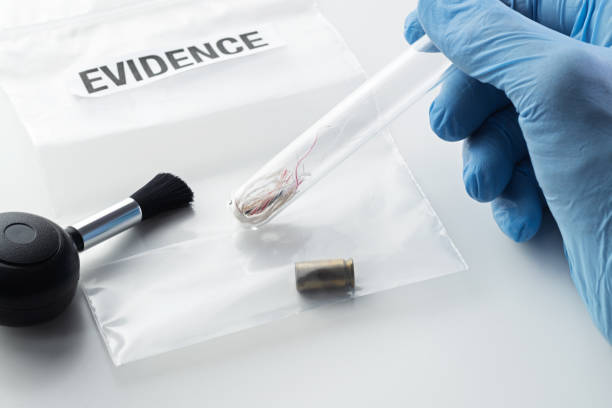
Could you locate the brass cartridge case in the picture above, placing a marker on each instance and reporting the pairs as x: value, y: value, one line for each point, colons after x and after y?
x: 325, y: 275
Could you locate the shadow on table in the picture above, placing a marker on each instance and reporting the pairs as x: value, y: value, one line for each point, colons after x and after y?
x: 48, y: 342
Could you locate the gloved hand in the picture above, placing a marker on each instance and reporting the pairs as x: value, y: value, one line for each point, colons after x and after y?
x: 533, y: 87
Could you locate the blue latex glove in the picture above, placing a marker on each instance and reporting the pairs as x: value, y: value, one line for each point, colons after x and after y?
x: 534, y: 87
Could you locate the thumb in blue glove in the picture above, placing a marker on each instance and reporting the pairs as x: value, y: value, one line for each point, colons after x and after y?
x: 533, y: 100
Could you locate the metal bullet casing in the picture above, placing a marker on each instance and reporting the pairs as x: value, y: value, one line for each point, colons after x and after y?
x: 325, y: 275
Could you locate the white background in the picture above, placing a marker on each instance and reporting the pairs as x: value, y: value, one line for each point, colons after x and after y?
x: 511, y: 331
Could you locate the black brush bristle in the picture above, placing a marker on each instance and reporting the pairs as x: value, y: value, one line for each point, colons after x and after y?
x: 165, y: 192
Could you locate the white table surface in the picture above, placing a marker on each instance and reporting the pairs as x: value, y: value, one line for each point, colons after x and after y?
x: 511, y: 331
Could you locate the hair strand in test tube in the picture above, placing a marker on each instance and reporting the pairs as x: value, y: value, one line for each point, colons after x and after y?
x: 339, y: 133
x: 275, y: 190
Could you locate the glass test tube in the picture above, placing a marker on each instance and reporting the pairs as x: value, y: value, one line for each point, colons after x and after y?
x: 355, y: 120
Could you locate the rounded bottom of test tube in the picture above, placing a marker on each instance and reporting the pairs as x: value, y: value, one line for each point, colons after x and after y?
x: 245, y: 221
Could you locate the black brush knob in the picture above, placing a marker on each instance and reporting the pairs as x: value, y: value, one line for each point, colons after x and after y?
x: 39, y: 261
x: 39, y: 269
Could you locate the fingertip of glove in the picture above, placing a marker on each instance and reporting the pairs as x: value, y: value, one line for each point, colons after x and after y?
x: 441, y: 123
x: 516, y: 224
x: 471, y: 182
x: 480, y: 184
x: 524, y: 233
x: 412, y: 28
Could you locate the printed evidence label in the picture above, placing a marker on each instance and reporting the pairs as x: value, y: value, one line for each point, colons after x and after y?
x: 142, y: 68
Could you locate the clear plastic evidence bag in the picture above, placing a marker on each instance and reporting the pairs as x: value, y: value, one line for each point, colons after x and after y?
x: 259, y: 72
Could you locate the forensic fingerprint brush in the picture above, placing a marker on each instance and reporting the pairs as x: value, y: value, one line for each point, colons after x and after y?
x: 39, y: 261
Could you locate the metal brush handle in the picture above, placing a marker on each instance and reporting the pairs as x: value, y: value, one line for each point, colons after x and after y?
x: 108, y: 223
